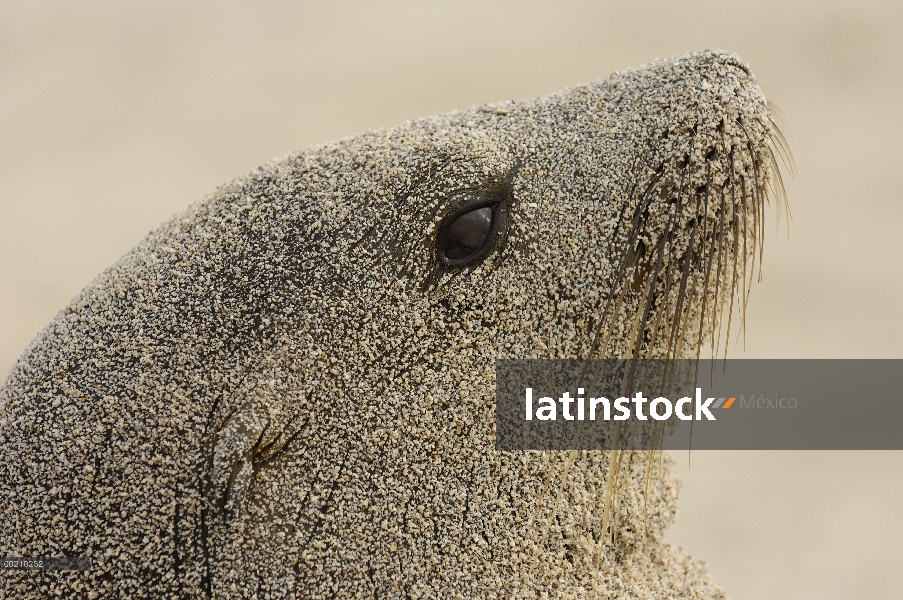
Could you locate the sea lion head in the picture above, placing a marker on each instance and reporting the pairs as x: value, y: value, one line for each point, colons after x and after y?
x: 288, y: 389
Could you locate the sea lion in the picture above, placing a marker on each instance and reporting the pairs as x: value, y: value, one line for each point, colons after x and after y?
x: 287, y: 390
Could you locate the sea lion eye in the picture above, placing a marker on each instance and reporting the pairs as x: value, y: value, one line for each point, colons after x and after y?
x: 463, y: 239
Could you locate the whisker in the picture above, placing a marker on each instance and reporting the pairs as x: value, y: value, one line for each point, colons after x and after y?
x: 617, y: 278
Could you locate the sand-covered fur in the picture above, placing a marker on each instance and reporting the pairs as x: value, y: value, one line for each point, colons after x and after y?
x: 286, y: 391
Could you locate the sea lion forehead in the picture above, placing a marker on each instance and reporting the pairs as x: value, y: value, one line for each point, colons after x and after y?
x: 607, y: 121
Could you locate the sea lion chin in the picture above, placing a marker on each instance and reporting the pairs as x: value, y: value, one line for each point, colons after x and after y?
x: 287, y: 390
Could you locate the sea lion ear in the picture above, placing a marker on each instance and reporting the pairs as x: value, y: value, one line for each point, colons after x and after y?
x: 233, y: 459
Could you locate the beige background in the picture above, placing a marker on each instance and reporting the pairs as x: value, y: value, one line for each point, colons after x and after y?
x: 115, y: 115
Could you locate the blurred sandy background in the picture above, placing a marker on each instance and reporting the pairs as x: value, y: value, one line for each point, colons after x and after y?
x: 115, y: 115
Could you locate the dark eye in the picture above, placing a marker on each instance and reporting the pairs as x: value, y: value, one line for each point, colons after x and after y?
x: 466, y: 238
